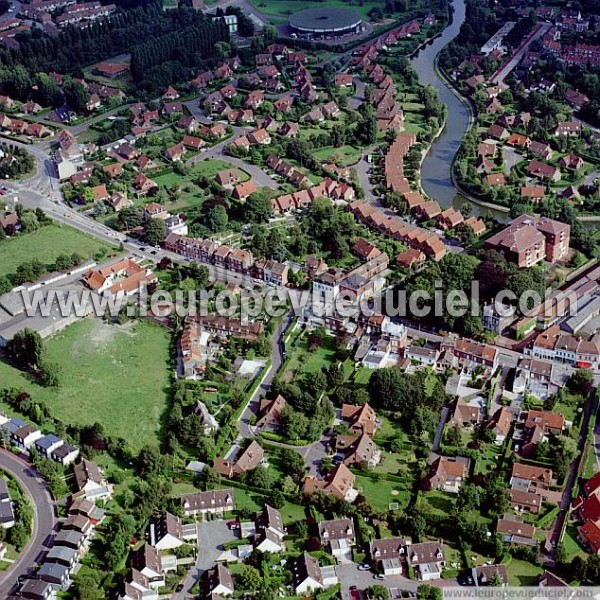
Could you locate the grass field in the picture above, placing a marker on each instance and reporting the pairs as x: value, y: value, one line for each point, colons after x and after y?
x: 45, y: 245
x: 571, y: 545
x: 523, y: 573
x: 211, y: 166
x: 114, y: 375
x: 345, y: 155
x: 380, y: 493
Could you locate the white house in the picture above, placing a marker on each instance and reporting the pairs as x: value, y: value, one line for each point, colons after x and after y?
x: 90, y: 481
x: 307, y: 575
x: 166, y: 532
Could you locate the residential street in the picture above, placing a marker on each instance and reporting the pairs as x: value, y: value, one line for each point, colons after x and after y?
x: 349, y: 575
x: 44, y: 511
x: 211, y: 537
x: 277, y: 360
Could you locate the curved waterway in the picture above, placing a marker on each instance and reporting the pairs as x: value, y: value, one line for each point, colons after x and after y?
x: 435, y: 170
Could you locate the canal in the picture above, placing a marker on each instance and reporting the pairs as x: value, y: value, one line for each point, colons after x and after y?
x: 435, y: 170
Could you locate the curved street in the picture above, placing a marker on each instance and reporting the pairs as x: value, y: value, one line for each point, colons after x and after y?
x: 44, y: 511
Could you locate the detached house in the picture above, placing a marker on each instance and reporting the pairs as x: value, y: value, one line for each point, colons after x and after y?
x: 543, y: 171
x: 360, y: 419
x: 448, y: 473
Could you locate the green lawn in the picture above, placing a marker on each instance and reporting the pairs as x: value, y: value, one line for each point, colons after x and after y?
x: 396, y: 463
x: 211, y: 166
x: 345, y: 155
x: 571, y: 544
x: 441, y: 503
x: 284, y: 8
x: 380, y: 493
x: 362, y: 376
x: 45, y: 245
x: 117, y: 376
x: 522, y: 573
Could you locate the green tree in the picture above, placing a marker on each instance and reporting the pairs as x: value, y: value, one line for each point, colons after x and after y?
x: 29, y: 222
x: 26, y: 348
x: 155, y: 232
x: 377, y: 592
x: 248, y: 578
x: 257, y: 208
x: 428, y: 592
x: 86, y: 586
x: 216, y: 218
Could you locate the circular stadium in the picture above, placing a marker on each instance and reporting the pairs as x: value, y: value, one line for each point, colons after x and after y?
x: 326, y: 21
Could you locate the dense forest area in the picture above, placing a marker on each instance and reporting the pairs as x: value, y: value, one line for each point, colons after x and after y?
x: 75, y: 48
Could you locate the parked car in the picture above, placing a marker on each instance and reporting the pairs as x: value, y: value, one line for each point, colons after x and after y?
x: 380, y: 576
x: 233, y: 524
x: 364, y: 567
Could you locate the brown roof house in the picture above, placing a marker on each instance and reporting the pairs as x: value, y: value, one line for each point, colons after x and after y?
x: 269, y: 414
x: 247, y: 461
x: 338, y: 535
x: 360, y: 419
x: 339, y: 482
x: 215, y: 502
x: 90, y: 481
x: 448, y: 473
x: 357, y: 451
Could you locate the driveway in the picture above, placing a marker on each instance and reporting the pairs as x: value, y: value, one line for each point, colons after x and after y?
x: 362, y: 172
x: 511, y: 158
x: 349, y: 575
x: 211, y: 537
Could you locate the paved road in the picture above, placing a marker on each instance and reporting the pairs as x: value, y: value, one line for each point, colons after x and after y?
x: 439, y: 432
x: 349, y: 575
x: 277, y: 359
x: 500, y: 75
x: 44, y: 519
x: 211, y: 537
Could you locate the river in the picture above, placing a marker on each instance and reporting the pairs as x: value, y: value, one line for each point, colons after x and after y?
x: 435, y: 170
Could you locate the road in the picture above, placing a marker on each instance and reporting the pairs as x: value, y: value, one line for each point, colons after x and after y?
x: 277, y: 359
x: 44, y: 511
x: 260, y: 178
x: 500, y: 75
x: 349, y: 575
x: 211, y: 537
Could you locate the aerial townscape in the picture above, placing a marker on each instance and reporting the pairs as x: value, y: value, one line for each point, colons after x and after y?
x: 194, y: 193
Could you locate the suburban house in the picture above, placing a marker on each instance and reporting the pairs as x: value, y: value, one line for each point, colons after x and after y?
x: 360, y: 419
x: 356, y: 451
x: 218, y: 581
x: 7, y: 515
x: 214, y: 502
x: 247, y: 461
x: 448, y: 473
x: 90, y: 481
x: 307, y: 575
x: 166, y: 532
x: 269, y: 413
x: 427, y: 559
x: 515, y: 531
x: 147, y: 561
x: 339, y: 482
x: 338, y: 535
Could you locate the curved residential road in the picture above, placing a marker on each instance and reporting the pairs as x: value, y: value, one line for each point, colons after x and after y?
x: 44, y: 519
